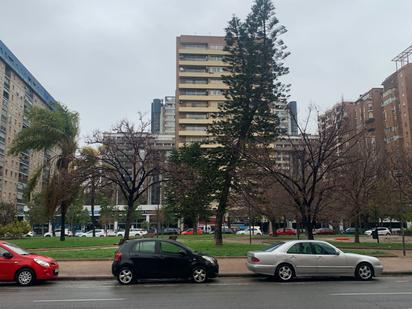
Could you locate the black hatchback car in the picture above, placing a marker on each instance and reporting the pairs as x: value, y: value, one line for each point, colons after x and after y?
x: 160, y: 259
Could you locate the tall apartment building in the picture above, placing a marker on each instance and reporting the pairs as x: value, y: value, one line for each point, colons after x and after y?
x: 200, y: 90
x: 19, y: 91
x: 199, y: 87
x: 397, y: 105
x: 368, y: 116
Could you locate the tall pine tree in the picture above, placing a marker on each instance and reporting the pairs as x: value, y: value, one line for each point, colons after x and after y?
x: 255, y: 61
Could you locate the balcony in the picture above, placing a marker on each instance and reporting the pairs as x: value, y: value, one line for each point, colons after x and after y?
x: 210, y: 63
x: 204, y: 86
x: 202, y: 51
x: 210, y: 109
x: 201, y: 98
x: 192, y: 133
x: 195, y: 121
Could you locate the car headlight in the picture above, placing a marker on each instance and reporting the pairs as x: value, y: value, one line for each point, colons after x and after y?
x: 209, y: 259
x: 42, y: 263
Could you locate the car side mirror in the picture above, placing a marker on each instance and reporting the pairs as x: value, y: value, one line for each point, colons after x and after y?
x: 7, y: 255
x: 337, y: 252
x: 182, y: 253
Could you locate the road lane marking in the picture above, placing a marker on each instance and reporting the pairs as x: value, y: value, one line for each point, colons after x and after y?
x: 362, y: 294
x: 77, y: 300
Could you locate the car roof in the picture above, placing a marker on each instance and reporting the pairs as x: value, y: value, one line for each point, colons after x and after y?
x: 304, y: 240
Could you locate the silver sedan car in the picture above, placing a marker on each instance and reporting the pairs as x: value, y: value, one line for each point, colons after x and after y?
x: 308, y: 258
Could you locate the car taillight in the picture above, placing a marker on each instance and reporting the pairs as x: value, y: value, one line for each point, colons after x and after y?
x: 117, y: 256
x: 254, y: 259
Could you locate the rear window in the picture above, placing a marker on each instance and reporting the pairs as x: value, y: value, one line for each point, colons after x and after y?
x: 144, y: 247
x: 273, y: 247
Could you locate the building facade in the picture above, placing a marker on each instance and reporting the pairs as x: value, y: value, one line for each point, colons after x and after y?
x: 293, y: 118
x: 167, y: 116
x: 199, y: 86
x: 397, y: 109
x: 156, y: 111
x: 200, y: 89
x: 20, y: 91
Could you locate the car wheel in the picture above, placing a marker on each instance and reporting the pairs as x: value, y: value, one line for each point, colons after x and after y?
x: 285, y: 272
x: 199, y: 274
x: 125, y: 276
x: 47, y: 236
x: 25, y: 277
x: 364, y: 271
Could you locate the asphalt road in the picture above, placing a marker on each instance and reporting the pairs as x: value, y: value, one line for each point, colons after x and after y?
x: 384, y: 292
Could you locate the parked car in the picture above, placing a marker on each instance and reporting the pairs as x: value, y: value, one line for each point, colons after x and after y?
x: 133, y: 232
x: 286, y: 231
x: 351, y: 230
x: 255, y: 231
x: 29, y: 234
x: 226, y: 230
x: 190, y: 232
x: 155, y: 259
x: 25, y: 268
x: 324, y: 231
x: 98, y: 233
x: 381, y: 231
x: 58, y: 232
x: 309, y: 258
x: 171, y: 231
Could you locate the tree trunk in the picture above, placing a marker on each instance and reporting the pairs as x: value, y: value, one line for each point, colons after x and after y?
x: 357, y: 225
x: 129, y: 217
x: 309, y: 228
x: 92, y: 199
x: 273, y: 226
x: 63, y: 209
x: 194, y: 225
x: 221, y: 209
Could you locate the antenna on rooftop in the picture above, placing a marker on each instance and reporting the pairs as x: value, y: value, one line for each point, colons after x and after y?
x: 403, y: 58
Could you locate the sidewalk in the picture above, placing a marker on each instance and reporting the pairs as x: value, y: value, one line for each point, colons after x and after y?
x: 228, y: 267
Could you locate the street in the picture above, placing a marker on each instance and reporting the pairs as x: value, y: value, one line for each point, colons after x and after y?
x: 253, y: 292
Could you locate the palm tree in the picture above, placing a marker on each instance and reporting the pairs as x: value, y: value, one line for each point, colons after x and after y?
x: 53, y: 131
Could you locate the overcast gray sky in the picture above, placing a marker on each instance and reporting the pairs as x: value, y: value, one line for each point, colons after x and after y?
x: 107, y: 59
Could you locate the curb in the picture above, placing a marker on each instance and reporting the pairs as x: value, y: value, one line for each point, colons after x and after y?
x: 224, y: 275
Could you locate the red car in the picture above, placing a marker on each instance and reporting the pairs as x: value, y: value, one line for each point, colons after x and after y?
x: 190, y: 232
x: 287, y: 231
x: 23, y: 267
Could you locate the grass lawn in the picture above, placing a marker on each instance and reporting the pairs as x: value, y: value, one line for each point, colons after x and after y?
x: 204, y: 246
x: 54, y: 242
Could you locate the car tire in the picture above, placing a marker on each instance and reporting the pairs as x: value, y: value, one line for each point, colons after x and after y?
x: 285, y: 272
x: 364, y: 272
x: 47, y: 236
x: 25, y: 277
x: 199, y: 274
x: 125, y: 276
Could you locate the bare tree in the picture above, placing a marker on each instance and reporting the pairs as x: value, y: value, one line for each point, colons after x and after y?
x: 129, y: 158
x: 358, y: 181
x: 315, y: 162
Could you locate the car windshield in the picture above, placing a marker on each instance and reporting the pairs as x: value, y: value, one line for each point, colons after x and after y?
x: 16, y: 249
x: 273, y: 246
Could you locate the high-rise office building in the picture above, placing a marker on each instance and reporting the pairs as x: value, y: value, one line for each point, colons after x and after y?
x: 293, y: 118
x: 19, y: 91
x: 156, y: 111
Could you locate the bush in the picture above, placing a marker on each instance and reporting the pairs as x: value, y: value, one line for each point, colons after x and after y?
x: 15, y: 229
